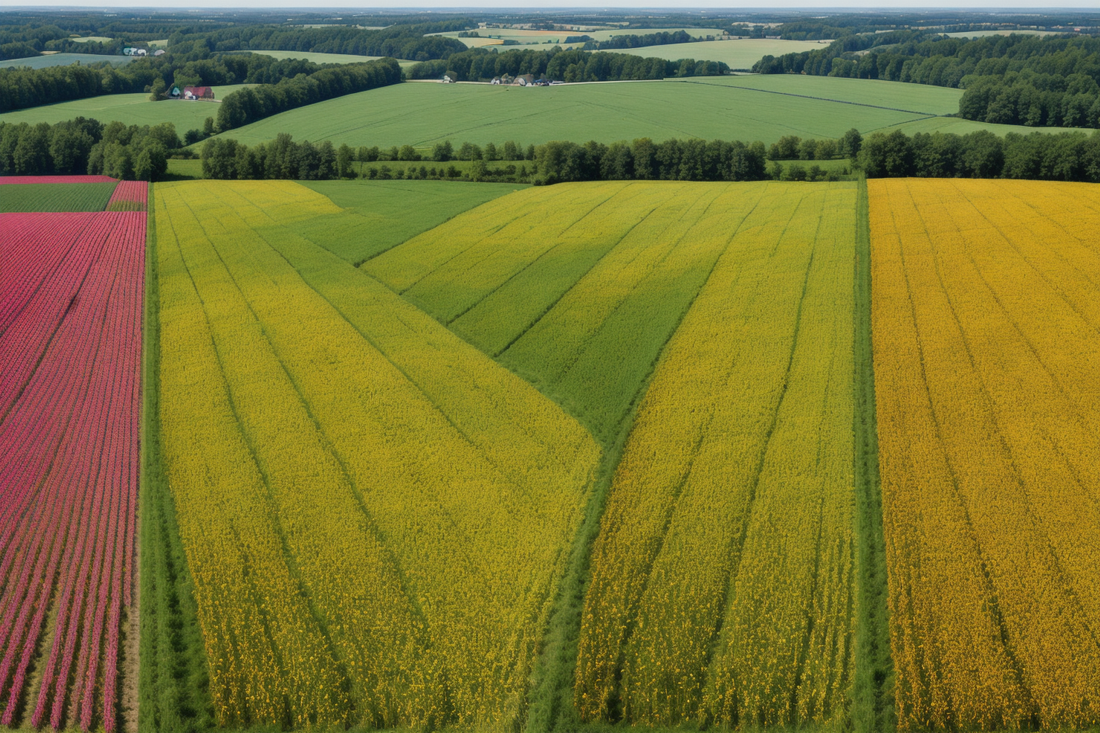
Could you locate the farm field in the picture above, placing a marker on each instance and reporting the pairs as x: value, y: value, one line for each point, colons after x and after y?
x: 377, y: 215
x: 338, y: 422
x: 985, y: 348
x: 723, y: 582
x: 577, y: 287
x: 70, y: 355
x: 47, y: 197
x: 326, y: 58
x: 919, y: 98
x: 64, y: 59
x: 133, y: 109
x: 739, y: 53
x: 89, y: 39
x: 423, y: 114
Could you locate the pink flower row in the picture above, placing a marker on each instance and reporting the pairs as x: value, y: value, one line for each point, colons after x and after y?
x: 55, y: 179
x: 70, y: 354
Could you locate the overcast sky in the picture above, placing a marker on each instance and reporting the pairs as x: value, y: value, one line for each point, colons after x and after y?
x: 512, y: 4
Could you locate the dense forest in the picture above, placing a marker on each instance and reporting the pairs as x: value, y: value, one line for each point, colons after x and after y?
x: 401, y: 40
x: 479, y: 64
x: 398, y: 41
x: 1016, y: 79
x: 81, y: 146
x: 1039, y: 156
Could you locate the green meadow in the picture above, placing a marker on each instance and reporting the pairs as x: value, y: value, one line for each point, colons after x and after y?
x: 423, y: 114
x: 918, y: 98
x: 746, y: 108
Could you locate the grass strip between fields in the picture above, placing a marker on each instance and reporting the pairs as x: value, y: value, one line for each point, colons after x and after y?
x: 873, y: 696
x: 173, y: 674
x: 550, y: 703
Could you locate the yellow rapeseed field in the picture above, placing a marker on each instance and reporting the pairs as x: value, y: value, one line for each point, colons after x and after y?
x: 986, y: 319
x: 376, y: 515
x: 722, y: 585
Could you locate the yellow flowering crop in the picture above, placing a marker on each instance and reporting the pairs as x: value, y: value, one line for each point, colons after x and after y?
x: 986, y: 319
x: 381, y: 506
x: 722, y: 583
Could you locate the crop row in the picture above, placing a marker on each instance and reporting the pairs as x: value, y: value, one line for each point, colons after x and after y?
x: 70, y: 336
x: 986, y: 310
x: 722, y: 579
x: 370, y: 541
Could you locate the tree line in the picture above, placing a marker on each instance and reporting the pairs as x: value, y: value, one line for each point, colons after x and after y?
x: 480, y: 64
x: 552, y: 162
x: 254, y: 103
x: 1068, y: 156
x: 662, y: 38
x: 1037, y: 156
x: 403, y: 41
x: 86, y: 146
x: 1017, y: 79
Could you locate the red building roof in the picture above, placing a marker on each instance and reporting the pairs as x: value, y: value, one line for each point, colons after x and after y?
x: 198, y: 91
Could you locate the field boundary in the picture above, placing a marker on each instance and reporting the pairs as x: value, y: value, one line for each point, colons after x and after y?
x: 172, y: 681
x: 873, y: 689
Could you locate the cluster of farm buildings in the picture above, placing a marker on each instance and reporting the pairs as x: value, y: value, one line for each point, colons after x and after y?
x: 192, y: 93
x: 521, y: 80
x: 134, y: 51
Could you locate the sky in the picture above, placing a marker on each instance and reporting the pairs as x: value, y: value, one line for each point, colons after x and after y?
x: 512, y: 4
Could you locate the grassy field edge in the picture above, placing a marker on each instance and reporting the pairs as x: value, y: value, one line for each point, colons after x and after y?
x: 550, y: 702
x: 173, y: 693
x: 873, y: 693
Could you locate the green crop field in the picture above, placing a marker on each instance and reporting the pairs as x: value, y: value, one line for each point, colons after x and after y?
x: 918, y: 98
x: 423, y: 114
x: 739, y: 53
x: 65, y: 59
x: 727, y: 108
x: 568, y: 278
x: 28, y: 197
x: 133, y: 109
x: 90, y: 39
x: 326, y: 58
x: 378, y: 214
